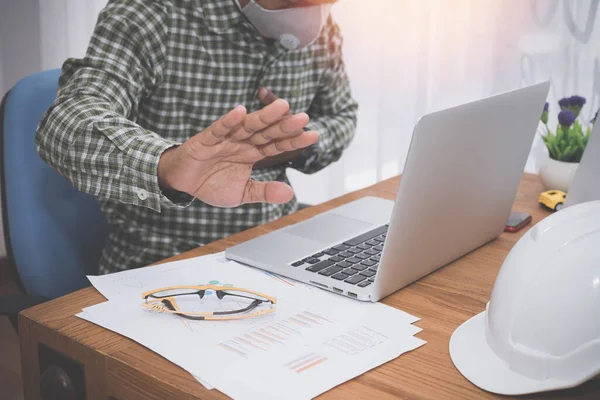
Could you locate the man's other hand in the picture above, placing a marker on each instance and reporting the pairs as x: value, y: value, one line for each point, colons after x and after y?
x: 215, y: 165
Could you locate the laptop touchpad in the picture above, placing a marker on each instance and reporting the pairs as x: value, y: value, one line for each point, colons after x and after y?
x: 329, y: 228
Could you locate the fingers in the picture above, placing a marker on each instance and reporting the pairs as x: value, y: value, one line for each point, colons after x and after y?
x: 301, y: 141
x: 266, y: 96
x: 272, y: 123
x: 267, y: 192
x: 220, y: 129
x: 287, y: 127
x: 259, y: 120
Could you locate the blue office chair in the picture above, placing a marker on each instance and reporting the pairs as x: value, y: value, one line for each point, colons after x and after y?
x: 54, y: 233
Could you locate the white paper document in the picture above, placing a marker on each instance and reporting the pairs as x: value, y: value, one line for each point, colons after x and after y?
x: 313, y: 342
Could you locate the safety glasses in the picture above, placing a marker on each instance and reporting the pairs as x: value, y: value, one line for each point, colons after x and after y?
x: 209, y: 302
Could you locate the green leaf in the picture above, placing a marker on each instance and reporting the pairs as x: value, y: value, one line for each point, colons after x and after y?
x: 569, y: 134
x: 586, y: 138
x: 556, y: 150
x: 551, y: 149
x: 559, y: 132
x: 546, y: 139
x: 579, y: 140
x: 550, y: 145
x: 575, y: 132
x: 568, y: 153
x: 559, y: 156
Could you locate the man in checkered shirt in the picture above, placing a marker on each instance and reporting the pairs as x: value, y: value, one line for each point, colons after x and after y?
x: 184, y: 115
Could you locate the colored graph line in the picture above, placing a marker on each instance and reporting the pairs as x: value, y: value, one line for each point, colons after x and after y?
x: 279, y: 330
x: 288, y: 328
x: 299, y: 322
x: 295, y: 364
x: 311, y: 365
x: 233, y: 349
x: 270, y: 334
x: 249, y: 343
x: 267, y: 338
x: 306, y: 362
x: 250, y: 337
x: 308, y: 320
x: 317, y: 316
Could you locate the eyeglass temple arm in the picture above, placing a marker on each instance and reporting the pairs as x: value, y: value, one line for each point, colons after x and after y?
x: 245, y: 297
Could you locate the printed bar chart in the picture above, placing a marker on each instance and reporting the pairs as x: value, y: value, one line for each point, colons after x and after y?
x: 277, y: 333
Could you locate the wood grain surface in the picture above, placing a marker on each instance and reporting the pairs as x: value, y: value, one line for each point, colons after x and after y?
x: 120, y: 368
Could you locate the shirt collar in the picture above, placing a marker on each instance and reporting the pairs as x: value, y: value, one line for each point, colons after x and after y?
x: 220, y: 15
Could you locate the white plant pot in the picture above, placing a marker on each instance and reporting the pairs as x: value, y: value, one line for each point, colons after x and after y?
x: 557, y: 174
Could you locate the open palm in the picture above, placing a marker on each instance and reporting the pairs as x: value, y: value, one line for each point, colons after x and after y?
x: 215, y: 165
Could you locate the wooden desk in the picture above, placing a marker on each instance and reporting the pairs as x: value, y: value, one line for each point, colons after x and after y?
x: 116, y: 367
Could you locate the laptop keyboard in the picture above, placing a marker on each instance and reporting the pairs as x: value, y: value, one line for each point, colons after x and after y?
x: 354, y: 261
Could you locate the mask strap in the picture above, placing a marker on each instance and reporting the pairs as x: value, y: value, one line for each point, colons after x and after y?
x: 237, y: 2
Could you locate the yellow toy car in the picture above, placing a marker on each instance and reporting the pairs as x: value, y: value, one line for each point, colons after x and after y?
x: 553, y: 199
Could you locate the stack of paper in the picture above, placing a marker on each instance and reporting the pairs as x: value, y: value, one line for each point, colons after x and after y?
x: 314, y: 341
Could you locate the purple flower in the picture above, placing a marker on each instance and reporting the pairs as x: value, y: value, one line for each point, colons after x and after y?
x: 546, y: 107
x: 564, y: 103
x: 577, y: 101
x: 566, y: 118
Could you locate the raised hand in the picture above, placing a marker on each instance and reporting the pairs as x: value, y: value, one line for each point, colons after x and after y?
x: 267, y: 97
x: 215, y: 165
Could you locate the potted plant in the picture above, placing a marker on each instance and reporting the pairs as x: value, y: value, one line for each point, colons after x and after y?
x: 565, y: 146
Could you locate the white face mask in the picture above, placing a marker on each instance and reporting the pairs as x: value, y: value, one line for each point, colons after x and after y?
x: 295, y: 28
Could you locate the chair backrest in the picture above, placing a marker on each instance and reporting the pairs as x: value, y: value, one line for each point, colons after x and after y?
x: 54, y: 233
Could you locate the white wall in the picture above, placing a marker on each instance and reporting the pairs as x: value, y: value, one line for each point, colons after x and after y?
x: 19, y: 19
x: 19, y: 48
x: 1, y: 74
x: 65, y: 29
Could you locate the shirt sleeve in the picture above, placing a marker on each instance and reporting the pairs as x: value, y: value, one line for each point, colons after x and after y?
x: 89, y: 134
x: 333, y: 112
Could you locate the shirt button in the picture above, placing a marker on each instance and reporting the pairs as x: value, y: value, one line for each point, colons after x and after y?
x: 290, y: 42
x: 142, y: 194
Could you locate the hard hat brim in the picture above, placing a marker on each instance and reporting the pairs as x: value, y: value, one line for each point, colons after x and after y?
x: 477, y: 362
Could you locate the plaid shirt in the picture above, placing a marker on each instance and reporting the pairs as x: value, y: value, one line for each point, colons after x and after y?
x: 157, y: 72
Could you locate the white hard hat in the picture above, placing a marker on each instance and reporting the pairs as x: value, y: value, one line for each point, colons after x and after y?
x: 541, y: 328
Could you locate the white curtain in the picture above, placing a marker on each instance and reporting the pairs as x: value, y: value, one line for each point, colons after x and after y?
x: 65, y: 28
x: 405, y: 58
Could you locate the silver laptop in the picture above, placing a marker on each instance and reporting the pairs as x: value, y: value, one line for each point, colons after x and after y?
x: 459, y: 183
x: 586, y: 182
